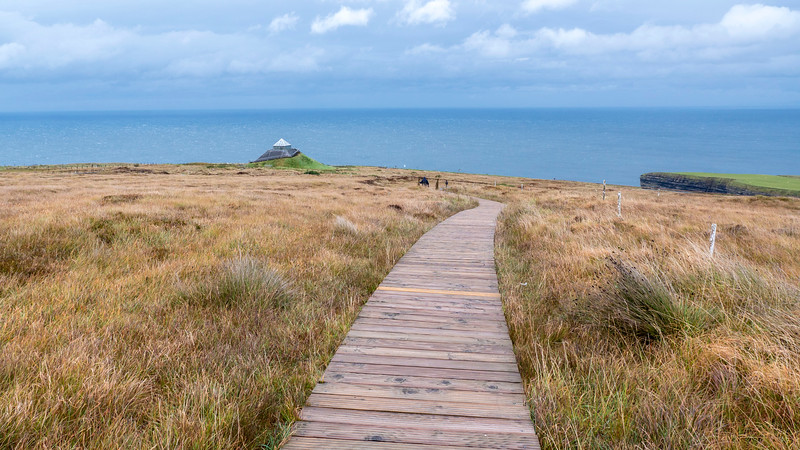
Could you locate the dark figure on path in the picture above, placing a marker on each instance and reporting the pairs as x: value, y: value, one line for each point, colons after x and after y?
x: 437, y: 184
x: 424, y: 182
x: 445, y: 184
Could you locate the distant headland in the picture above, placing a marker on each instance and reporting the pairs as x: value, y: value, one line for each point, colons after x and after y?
x: 734, y: 184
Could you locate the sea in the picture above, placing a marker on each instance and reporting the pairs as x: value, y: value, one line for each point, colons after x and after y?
x: 592, y: 145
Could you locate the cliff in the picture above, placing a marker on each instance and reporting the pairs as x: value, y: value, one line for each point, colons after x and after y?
x: 719, y: 185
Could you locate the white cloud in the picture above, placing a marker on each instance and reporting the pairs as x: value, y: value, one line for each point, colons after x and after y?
x: 533, y: 6
x: 433, y: 11
x: 756, y: 21
x: 344, y: 17
x: 98, y: 50
x: 743, y: 29
x: 493, y: 45
x: 425, y: 49
x: 283, y: 23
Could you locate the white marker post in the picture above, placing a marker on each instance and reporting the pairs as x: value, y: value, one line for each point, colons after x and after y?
x: 713, y: 239
x: 619, y: 204
x: 604, y: 189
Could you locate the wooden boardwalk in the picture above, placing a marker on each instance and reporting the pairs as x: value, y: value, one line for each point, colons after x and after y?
x: 428, y: 362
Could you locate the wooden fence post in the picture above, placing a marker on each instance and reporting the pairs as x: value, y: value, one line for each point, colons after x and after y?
x: 713, y: 239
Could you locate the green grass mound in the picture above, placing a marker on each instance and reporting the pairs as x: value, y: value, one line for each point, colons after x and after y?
x: 299, y: 161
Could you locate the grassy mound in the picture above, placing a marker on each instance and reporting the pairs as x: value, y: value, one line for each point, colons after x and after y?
x: 299, y: 161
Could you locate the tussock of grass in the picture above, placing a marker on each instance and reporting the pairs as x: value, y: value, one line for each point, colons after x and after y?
x: 344, y: 226
x: 644, y: 306
x: 243, y: 282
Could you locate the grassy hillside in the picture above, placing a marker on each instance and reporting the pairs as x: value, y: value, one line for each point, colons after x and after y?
x: 299, y: 161
x: 788, y: 183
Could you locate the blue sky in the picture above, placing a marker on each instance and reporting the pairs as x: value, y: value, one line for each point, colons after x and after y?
x: 147, y: 54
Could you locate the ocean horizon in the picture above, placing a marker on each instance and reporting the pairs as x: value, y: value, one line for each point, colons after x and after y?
x: 579, y: 144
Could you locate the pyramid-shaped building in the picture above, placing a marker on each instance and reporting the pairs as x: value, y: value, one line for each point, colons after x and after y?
x: 280, y: 149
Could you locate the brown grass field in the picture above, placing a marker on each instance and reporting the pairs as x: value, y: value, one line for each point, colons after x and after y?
x: 196, y: 306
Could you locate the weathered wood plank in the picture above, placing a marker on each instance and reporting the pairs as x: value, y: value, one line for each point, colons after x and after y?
x: 490, y: 400
x: 437, y: 331
x: 413, y: 435
x: 440, y: 292
x: 306, y: 443
x: 439, y: 311
x: 400, y: 336
x: 332, y: 376
x: 422, y: 345
x: 429, y: 354
x: 444, y: 373
x: 426, y: 362
x: 413, y: 406
x: 419, y: 421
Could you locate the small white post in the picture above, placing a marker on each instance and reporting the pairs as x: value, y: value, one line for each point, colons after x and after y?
x: 522, y: 186
x: 495, y: 184
x: 713, y: 239
x: 619, y: 204
x: 604, y: 189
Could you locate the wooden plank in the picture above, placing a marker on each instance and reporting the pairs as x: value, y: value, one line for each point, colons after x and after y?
x: 307, y: 443
x: 414, y: 436
x: 478, y: 309
x: 366, y: 325
x: 411, y: 406
x: 422, y: 345
x: 418, y: 421
x: 496, y: 328
x: 426, y: 362
x: 489, y: 400
x: 442, y: 311
x: 443, y: 372
x: 429, y: 308
x: 399, y: 336
x: 439, y: 291
x: 455, y: 319
x: 333, y: 376
x: 348, y: 349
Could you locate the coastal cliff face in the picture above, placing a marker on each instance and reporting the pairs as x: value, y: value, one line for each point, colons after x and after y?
x: 677, y: 182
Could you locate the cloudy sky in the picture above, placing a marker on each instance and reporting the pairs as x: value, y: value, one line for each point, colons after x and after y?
x: 148, y: 54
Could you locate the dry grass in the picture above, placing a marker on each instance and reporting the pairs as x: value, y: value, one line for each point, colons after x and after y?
x: 198, y: 309
x: 629, y: 336
x: 184, y: 306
